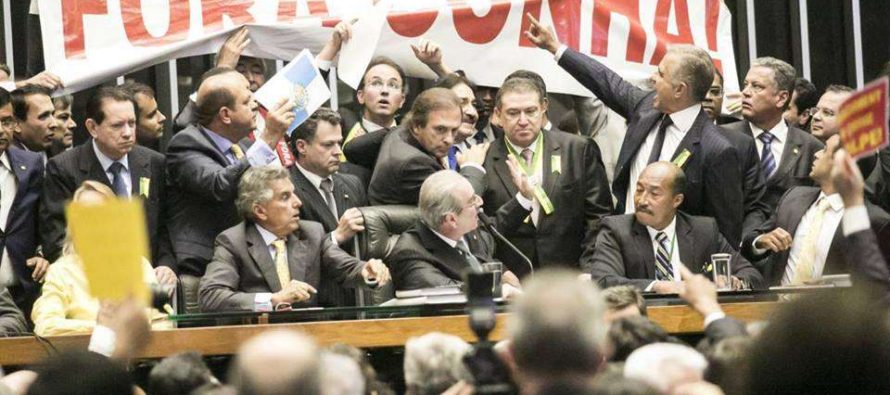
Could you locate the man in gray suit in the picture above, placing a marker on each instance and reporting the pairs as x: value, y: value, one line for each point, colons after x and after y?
x: 206, y: 160
x: 12, y: 322
x: 272, y: 260
x: 648, y: 249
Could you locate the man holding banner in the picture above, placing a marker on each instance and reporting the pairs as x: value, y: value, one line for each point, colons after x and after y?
x: 668, y: 124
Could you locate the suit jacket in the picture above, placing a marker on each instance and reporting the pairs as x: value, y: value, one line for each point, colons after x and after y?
x: 878, y: 184
x: 754, y: 188
x: 364, y: 150
x: 348, y: 193
x: 421, y: 259
x: 578, y: 189
x: 402, y: 166
x: 202, y: 188
x: 12, y: 322
x: 20, y: 237
x: 714, y: 185
x: 794, y: 166
x: 624, y: 253
x: 792, y: 207
x: 242, y: 266
x: 864, y: 248
x: 67, y: 171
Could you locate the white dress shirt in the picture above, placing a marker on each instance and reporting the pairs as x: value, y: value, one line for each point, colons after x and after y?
x: 673, y: 248
x: 106, y: 163
x: 8, y: 190
x: 262, y: 301
x: 682, y: 121
x: 830, y: 222
x: 780, y: 132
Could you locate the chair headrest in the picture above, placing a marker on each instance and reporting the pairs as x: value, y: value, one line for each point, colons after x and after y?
x: 383, y: 225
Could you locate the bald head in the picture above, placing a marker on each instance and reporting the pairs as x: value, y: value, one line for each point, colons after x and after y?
x: 671, y: 176
x: 658, y: 194
x: 225, y: 103
x: 276, y: 362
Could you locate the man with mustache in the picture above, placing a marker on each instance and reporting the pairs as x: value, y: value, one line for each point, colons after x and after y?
x: 63, y: 129
x: 647, y: 249
x: 111, y: 157
x: 329, y: 197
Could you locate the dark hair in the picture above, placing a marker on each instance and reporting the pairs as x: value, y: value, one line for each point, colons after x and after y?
x: 96, y: 103
x: 81, y: 373
x: 5, y: 97
x: 179, y: 374
x: 451, y: 80
x: 389, y: 62
x: 518, y: 85
x: 19, y: 96
x: 719, y: 74
x: 63, y: 101
x: 679, y: 184
x: 807, y: 94
x: 531, y: 76
x: 838, y: 88
x: 433, y: 99
x: 306, y: 130
x: 137, y: 88
x: 630, y: 333
x: 209, y: 104
x: 725, y: 360
x: 622, y: 296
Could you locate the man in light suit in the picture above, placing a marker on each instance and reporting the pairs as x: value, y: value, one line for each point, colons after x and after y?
x: 803, y: 239
x: 272, y: 260
x: 649, y: 248
x: 786, y: 153
x: 21, y: 181
x: 328, y: 197
x: 551, y: 210
x: 112, y: 158
x: 206, y: 160
x: 668, y: 124
x: 446, y: 241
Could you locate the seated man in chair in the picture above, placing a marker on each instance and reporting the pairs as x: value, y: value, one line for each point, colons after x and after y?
x: 446, y: 241
x: 272, y: 259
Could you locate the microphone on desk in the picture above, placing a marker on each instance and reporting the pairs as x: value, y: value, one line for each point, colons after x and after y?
x: 489, y: 224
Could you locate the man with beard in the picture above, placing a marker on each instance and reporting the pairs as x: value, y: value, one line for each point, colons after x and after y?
x: 646, y: 249
x: 111, y: 157
x: 149, y: 118
x: 63, y: 129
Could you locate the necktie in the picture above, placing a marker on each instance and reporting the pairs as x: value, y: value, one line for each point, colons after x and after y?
x: 281, y: 263
x: 527, y: 155
x: 655, y: 154
x: 452, y: 157
x: 327, y: 185
x: 464, y: 250
x: 479, y: 137
x: 767, y: 160
x: 117, y: 181
x: 237, y: 152
x: 804, y: 271
x: 663, y: 271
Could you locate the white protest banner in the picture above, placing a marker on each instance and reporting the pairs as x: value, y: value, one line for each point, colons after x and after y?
x: 90, y: 41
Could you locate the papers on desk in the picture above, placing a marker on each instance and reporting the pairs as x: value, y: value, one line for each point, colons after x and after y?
x: 828, y: 281
x: 434, y: 295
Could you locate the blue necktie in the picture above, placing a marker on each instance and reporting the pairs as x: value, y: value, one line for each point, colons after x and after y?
x: 117, y: 181
x: 452, y: 157
x: 767, y: 160
x: 479, y: 137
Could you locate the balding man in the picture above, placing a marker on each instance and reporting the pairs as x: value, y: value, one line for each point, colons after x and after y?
x: 647, y: 249
x: 276, y: 363
x: 667, y: 124
x: 206, y: 160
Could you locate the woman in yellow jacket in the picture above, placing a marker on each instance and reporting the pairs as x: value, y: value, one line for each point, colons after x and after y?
x: 65, y: 305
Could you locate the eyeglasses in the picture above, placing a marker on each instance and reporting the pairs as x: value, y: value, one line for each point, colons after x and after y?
x: 378, y: 85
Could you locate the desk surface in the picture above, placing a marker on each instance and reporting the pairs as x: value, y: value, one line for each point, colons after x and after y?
x: 225, y: 340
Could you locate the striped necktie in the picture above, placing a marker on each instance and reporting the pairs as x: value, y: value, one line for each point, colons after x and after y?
x: 767, y: 160
x: 663, y: 271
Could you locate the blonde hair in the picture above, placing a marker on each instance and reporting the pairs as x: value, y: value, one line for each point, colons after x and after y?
x: 87, y: 186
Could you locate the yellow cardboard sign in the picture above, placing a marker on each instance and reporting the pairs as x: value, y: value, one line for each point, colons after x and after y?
x: 110, y: 239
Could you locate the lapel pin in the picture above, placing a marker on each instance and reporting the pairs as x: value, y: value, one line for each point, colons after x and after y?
x: 796, y: 150
x: 23, y: 167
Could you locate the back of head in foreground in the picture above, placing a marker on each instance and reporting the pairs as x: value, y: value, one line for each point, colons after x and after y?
x: 826, y: 343
x: 81, y: 373
x: 275, y: 363
x: 434, y: 362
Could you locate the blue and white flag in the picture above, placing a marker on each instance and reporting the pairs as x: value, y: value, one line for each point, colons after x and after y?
x: 300, y: 82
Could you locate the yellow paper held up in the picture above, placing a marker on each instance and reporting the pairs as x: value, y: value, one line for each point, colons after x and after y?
x: 111, y: 241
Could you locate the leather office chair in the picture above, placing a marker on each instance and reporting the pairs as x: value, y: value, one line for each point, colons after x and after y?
x: 383, y: 225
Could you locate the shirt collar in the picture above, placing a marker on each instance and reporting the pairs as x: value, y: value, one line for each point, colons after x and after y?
x: 684, y: 118
x: 4, y: 159
x: 373, y: 127
x: 313, y: 178
x: 221, y: 142
x: 780, y: 131
x: 268, y: 237
x: 834, y: 201
x: 669, y: 230
x: 519, y: 149
x: 447, y: 240
x: 106, y: 162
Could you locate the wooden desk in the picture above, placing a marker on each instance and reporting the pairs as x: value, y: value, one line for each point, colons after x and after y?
x: 225, y: 340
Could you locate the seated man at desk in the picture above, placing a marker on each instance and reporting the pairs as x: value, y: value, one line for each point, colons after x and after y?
x: 272, y: 260
x: 446, y: 241
x: 646, y: 249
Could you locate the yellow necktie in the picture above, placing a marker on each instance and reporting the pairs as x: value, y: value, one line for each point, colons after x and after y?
x: 281, y: 263
x: 807, y: 259
x: 237, y: 151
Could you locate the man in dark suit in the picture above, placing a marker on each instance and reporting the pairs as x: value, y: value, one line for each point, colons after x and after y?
x: 112, y: 158
x: 557, y: 186
x: 149, y: 118
x: 667, y: 124
x: 803, y: 238
x: 786, y: 152
x: 206, y: 160
x: 413, y: 152
x: 272, y: 260
x: 21, y: 181
x: 649, y: 248
x: 446, y: 241
x: 328, y: 197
